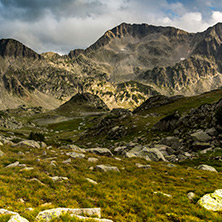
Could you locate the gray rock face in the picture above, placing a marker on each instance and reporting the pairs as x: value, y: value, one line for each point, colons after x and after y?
x: 106, y: 168
x: 201, y: 136
x: 206, y: 167
x: 100, y: 151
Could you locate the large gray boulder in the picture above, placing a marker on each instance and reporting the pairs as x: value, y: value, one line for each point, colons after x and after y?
x: 201, y: 136
x: 151, y: 154
x: 206, y: 167
x: 212, y: 201
x: 100, y: 151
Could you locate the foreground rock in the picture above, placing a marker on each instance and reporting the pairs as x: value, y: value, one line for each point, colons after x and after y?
x: 15, y: 216
x: 48, y: 215
x: 212, y: 201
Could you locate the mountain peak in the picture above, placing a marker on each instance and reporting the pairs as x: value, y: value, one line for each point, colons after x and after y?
x: 15, y: 49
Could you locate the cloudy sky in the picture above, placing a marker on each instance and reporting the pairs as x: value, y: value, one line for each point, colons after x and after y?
x: 63, y: 25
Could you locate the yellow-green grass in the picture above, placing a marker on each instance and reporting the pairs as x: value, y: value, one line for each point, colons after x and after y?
x: 125, y: 196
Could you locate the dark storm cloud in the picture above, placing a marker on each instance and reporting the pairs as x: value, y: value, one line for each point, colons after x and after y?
x: 31, y: 10
x: 63, y: 25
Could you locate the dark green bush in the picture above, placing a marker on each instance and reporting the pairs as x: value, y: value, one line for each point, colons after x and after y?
x: 36, y: 136
x: 218, y: 115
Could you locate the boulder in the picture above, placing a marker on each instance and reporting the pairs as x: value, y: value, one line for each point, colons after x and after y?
x: 212, y: 132
x: 93, y: 159
x: 129, y: 155
x: 191, y: 195
x: 48, y: 215
x: 15, y: 216
x: 119, y: 150
x: 147, y: 166
x: 201, y: 136
x: 75, y: 155
x: 212, y: 201
x: 74, y: 148
x: 152, y: 154
x: 100, y: 151
x: 106, y: 168
x: 59, y: 178
x: 28, y: 144
x: 206, y: 167
x: 91, y: 181
x: 15, y: 164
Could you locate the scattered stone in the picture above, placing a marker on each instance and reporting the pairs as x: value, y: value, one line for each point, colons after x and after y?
x: 143, y: 166
x: 28, y: 144
x: 53, y: 163
x: 191, y: 195
x: 43, y: 145
x: 201, y: 136
x: 170, y: 165
x: 206, y: 150
x: 1, y: 144
x: 67, y: 161
x: 164, y: 194
x: 212, y: 201
x: 100, y: 151
x: 129, y: 155
x: 48, y: 215
x: 59, y: 178
x: 119, y: 150
x: 91, y: 181
x: 37, y: 180
x: 75, y: 155
x: 1, y: 153
x: 117, y: 158
x: 206, y: 167
x: 15, y: 164
x: 212, y: 132
x: 93, y: 159
x: 26, y: 169
x: 106, y: 168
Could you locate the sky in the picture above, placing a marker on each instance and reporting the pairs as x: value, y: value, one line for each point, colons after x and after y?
x: 64, y: 25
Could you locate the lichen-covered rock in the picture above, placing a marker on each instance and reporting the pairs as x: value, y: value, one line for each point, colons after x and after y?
x: 15, y: 216
x: 212, y: 201
x: 48, y: 215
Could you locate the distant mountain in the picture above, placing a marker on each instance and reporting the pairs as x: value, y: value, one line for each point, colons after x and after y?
x: 126, y: 66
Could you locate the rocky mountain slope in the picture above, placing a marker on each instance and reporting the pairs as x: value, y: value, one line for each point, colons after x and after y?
x: 127, y: 65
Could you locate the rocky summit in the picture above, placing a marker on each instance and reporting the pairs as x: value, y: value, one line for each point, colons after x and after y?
x: 129, y: 129
x: 126, y: 66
